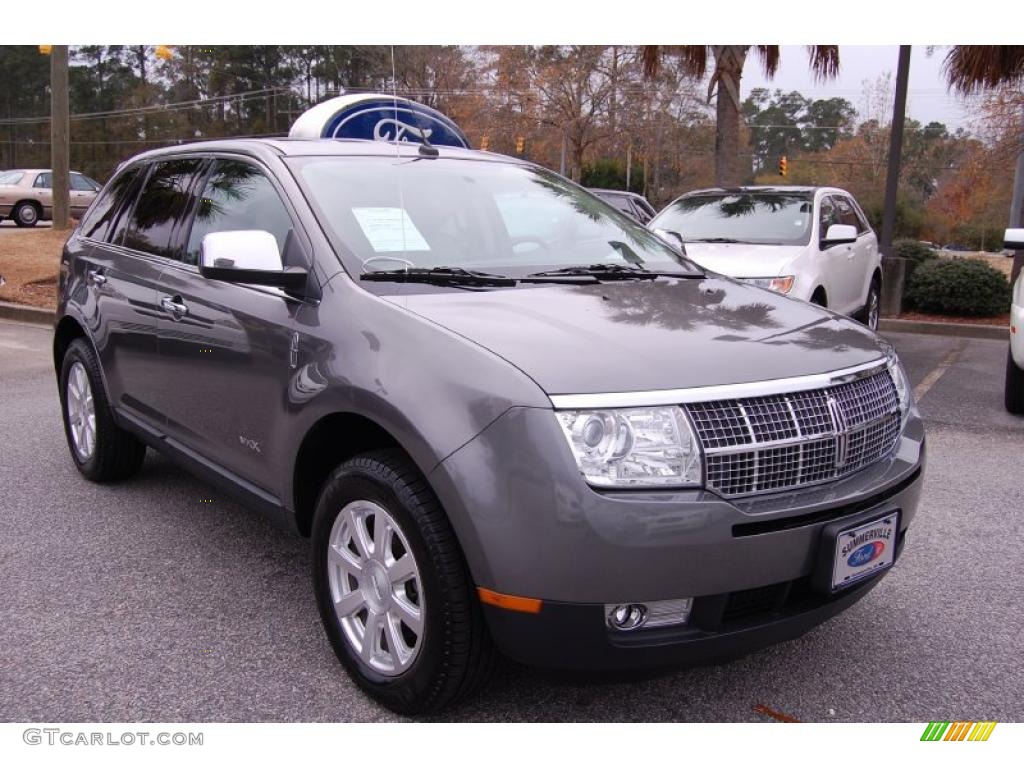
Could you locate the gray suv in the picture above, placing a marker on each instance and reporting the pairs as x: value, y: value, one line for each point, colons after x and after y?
x: 509, y: 417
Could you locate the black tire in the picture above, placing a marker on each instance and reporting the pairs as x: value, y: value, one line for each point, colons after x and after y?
x: 456, y: 656
x: 25, y: 215
x: 874, y: 300
x: 1014, y: 395
x: 117, y: 454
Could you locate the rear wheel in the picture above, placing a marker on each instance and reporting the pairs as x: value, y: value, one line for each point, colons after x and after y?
x: 101, y: 450
x: 393, y: 590
x: 1014, y: 395
x: 25, y: 215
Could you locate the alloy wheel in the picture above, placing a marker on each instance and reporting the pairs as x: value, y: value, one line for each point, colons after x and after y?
x: 81, y: 412
x: 376, y: 588
x: 873, y: 309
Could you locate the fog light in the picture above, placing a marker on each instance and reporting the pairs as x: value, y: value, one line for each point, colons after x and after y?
x: 659, y: 613
x: 625, y: 617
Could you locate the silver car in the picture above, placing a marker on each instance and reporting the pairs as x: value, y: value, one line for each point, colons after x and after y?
x: 26, y: 195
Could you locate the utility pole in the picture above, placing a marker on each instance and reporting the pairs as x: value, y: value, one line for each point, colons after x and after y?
x: 892, y: 269
x: 59, y: 136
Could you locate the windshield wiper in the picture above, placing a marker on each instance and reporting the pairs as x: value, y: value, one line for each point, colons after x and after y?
x: 439, y: 276
x: 715, y: 240
x: 612, y: 272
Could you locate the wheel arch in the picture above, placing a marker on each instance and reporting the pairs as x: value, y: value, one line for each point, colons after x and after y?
x: 68, y: 329
x: 334, y: 438
x: 820, y: 291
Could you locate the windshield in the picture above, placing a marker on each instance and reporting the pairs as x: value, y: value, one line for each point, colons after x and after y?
x: 396, y: 213
x: 10, y: 177
x: 774, y: 218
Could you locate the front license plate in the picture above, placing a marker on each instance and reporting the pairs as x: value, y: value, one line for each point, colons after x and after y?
x: 865, y: 550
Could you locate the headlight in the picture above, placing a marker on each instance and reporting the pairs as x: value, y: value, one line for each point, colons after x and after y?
x: 633, y: 446
x: 899, y: 378
x: 781, y: 285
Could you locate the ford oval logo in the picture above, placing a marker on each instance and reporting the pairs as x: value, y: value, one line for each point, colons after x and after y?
x: 867, y: 553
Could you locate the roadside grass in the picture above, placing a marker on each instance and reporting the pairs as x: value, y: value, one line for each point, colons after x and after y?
x: 29, y: 263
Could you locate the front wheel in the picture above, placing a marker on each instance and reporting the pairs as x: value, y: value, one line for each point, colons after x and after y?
x: 1014, y: 395
x: 393, y: 590
x: 873, y: 308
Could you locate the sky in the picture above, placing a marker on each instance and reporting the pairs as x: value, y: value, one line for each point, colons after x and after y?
x: 927, y: 97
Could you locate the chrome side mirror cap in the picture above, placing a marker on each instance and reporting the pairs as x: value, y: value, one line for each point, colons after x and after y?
x: 248, y: 256
x: 1014, y: 239
x: 839, y: 234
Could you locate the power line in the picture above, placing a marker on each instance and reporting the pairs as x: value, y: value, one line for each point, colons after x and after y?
x: 156, y: 108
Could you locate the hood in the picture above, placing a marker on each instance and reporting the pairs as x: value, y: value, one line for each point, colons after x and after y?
x: 634, y: 336
x: 744, y: 259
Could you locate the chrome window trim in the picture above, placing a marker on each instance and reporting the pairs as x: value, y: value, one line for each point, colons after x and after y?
x: 717, y: 392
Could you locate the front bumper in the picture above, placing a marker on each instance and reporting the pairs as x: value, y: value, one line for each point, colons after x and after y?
x: 530, y: 526
x: 575, y: 637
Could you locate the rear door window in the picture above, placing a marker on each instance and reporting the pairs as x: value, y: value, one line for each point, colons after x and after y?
x: 115, y: 198
x: 44, y: 181
x: 165, y: 200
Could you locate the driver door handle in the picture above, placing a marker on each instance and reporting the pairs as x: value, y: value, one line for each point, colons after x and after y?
x: 174, y: 305
x: 96, y: 277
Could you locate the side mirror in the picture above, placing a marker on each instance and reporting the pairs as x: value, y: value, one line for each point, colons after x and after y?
x: 839, y: 234
x: 248, y: 256
x: 1014, y: 239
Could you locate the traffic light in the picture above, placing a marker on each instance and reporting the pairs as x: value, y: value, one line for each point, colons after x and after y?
x: 520, y: 144
x: 783, y: 166
x: 485, y: 142
x: 45, y: 49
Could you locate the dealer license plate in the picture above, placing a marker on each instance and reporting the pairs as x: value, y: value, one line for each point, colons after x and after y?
x: 865, y: 550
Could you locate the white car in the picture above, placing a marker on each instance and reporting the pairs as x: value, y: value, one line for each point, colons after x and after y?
x: 1015, y: 359
x: 812, y: 243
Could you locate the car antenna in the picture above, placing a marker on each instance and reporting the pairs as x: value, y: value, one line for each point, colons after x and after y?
x: 426, y: 148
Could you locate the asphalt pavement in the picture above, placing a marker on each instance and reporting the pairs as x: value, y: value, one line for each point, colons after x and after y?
x: 160, y: 600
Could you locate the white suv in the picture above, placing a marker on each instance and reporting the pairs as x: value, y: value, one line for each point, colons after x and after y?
x: 812, y: 243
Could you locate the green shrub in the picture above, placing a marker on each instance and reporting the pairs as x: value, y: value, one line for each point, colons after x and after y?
x: 959, y: 287
x: 913, y: 250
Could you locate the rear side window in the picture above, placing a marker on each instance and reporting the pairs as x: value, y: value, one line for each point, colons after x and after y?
x: 11, y: 177
x: 164, y: 201
x: 237, y: 196
x: 44, y: 181
x: 104, y: 212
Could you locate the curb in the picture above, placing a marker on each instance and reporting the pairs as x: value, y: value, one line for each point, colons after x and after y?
x: 962, y: 330
x: 25, y: 314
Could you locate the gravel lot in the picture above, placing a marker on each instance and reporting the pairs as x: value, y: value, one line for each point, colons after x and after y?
x: 143, y: 602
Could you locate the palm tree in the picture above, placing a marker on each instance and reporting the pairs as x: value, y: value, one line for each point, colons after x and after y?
x: 971, y: 69
x: 725, y: 77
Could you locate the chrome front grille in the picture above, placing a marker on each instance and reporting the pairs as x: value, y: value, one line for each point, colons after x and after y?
x: 777, y: 442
